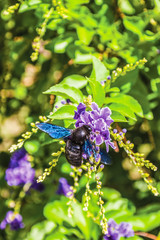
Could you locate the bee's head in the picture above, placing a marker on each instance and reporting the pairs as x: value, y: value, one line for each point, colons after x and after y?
x: 80, y: 134
x: 87, y: 128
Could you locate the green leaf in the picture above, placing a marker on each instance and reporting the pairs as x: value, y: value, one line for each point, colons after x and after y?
x: 139, y: 91
x: 135, y: 24
x: 127, y: 100
x: 82, y: 58
x: 57, y: 212
x: 145, y: 222
x: 99, y: 72
x: 110, y: 194
x: 39, y: 230
x: 32, y: 146
x: 80, y: 220
x: 20, y: 92
x: 126, y: 82
x: 122, y: 204
x: 60, y: 45
x: 68, y: 122
x: 66, y: 91
x: 114, y: 89
x: 65, y: 112
x: 123, y: 109
x: 153, y: 207
x: 29, y: 5
x: 117, y: 117
x: 85, y: 35
x: 77, y: 81
x: 52, y: 24
x: 57, y: 236
x: 126, y: 7
x: 98, y: 92
x: 49, y: 142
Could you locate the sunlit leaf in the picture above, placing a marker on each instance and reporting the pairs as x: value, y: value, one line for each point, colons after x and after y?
x: 66, y: 91
x: 65, y: 112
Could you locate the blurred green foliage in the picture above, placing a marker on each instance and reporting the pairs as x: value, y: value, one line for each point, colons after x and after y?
x: 67, y: 39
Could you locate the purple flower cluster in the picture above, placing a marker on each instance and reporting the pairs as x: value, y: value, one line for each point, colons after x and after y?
x: 99, y: 120
x: 14, y: 220
x: 64, y: 188
x: 20, y: 171
x: 116, y: 231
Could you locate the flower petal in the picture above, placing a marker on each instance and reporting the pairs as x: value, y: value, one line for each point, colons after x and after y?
x: 85, y: 117
x: 99, y: 139
x: 95, y: 107
x: 105, y: 112
x: 100, y: 125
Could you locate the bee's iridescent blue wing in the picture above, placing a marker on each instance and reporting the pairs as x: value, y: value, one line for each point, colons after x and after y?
x: 105, y: 157
x: 54, y: 131
x: 89, y: 149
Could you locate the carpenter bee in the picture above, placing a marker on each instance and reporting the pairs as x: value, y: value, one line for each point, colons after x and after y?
x: 77, y: 142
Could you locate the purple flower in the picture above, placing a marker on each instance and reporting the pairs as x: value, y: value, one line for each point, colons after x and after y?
x: 103, y: 82
x: 115, y: 130
x: 116, y: 231
x: 124, y: 130
x: 126, y: 230
x: 81, y: 108
x: 37, y: 186
x: 20, y: 170
x: 99, y: 120
x: 14, y: 220
x: 63, y: 102
x: 68, y: 100
x: 158, y: 51
x: 64, y: 188
x: 20, y: 155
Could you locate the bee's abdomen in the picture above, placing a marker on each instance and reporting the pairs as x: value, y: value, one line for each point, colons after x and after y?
x: 73, y: 153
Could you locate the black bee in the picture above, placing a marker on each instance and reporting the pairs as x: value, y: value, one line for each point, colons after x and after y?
x: 77, y: 142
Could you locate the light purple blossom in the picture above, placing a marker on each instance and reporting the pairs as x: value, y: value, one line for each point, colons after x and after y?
x: 63, y: 102
x: 103, y: 82
x: 68, y: 100
x: 14, y: 220
x: 126, y: 230
x: 115, y: 130
x: 116, y: 231
x: 124, y: 130
x: 20, y: 171
x: 37, y: 186
x: 99, y: 120
x: 64, y: 188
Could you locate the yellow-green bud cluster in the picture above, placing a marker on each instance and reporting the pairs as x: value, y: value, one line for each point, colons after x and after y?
x: 129, y: 67
x: 100, y: 202
x: 137, y: 159
x: 88, y: 191
x: 21, y: 141
x: 90, y: 170
x: 41, y: 32
x: 52, y: 164
x: 60, y: 9
x: 27, y: 135
x: 12, y: 9
x: 88, y: 101
x: 76, y: 173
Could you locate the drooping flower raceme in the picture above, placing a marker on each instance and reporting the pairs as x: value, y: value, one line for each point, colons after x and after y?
x: 116, y: 231
x: 14, y: 220
x: 20, y: 171
x: 64, y: 188
x: 99, y: 120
